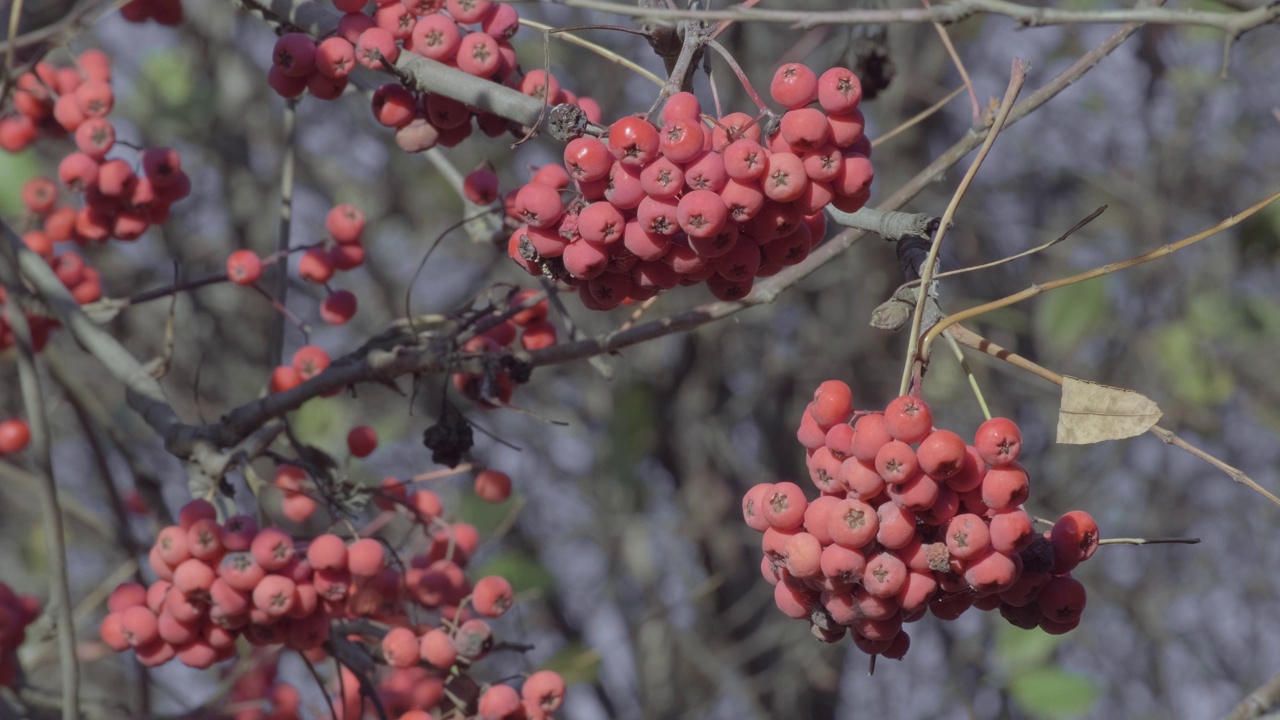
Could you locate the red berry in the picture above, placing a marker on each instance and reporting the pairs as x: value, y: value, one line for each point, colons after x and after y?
x: 335, y: 57
x: 852, y: 523
x: 1062, y: 599
x: 295, y: 54
x: 1005, y: 487
x: 908, y: 419
x: 339, y: 307
x: 244, y: 267
x: 941, y: 454
x: 400, y: 647
x: 794, y: 86
x: 479, y: 55
x: 839, y: 91
x: 998, y: 441
x: 896, y: 462
x: 14, y: 436
x: 785, y: 505
x: 374, y: 46
x: 362, y: 440
x: 345, y: 224
x: 544, y: 690
x: 1074, y: 536
x: 492, y: 596
x: 634, y: 141
x: 493, y: 486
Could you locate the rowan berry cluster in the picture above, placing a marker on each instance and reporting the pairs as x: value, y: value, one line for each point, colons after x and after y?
x: 217, y: 582
x: 912, y: 519
x: 698, y: 199
x: 534, y: 332
x: 342, y: 250
x: 471, y: 35
x: 164, y: 12
x: 16, y: 613
x: 81, y: 280
x: 118, y: 202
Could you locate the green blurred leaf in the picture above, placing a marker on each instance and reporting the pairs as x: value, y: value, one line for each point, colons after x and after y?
x: 576, y: 663
x: 486, y: 516
x: 1193, y: 375
x: 167, y: 73
x: 316, y: 423
x: 1022, y: 649
x: 15, y: 170
x: 523, y: 571
x: 35, y: 552
x: 1065, y: 317
x: 1053, y: 693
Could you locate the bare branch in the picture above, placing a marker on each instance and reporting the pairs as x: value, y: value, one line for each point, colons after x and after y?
x: 951, y: 13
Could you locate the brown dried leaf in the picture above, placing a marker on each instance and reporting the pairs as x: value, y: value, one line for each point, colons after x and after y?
x: 1092, y: 413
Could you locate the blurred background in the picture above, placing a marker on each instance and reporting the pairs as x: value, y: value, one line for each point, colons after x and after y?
x: 636, y: 577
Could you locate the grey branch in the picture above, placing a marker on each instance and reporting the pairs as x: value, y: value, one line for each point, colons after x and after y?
x: 888, y: 224
x: 1234, y: 23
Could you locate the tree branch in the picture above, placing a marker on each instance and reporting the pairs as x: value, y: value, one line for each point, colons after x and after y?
x: 50, y: 512
x: 950, y: 14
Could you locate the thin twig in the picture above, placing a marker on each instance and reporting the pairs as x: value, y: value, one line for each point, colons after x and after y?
x: 1107, y: 269
x: 1039, y: 248
x: 970, y: 339
x: 964, y: 74
x: 600, y: 50
x: 917, y: 118
x: 1016, y: 79
x: 1149, y: 541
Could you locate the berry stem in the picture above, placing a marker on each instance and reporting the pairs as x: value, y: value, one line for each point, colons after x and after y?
x: 695, y: 37
x: 926, y: 273
x: 1150, y: 541
x: 964, y: 74
x: 973, y: 380
x: 916, y: 119
x: 742, y: 77
x: 602, y: 51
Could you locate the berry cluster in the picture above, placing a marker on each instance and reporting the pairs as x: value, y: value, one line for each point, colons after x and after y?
x: 118, y: 202
x: 912, y: 519
x: 341, y: 250
x: 699, y: 199
x: 534, y: 331
x: 221, y: 581
x: 164, y: 12
x: 77, y: 277
x: 16, y: 613
x: 471, y: 35
x: 260, y: 684
x: 307, y: 362
x: 14, y: 436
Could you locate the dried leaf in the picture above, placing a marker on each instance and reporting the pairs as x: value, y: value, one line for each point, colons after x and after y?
x: 1091, y: 413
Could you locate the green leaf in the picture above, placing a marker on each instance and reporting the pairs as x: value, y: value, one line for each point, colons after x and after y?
x: 15, y: 170
x: 168, y: 74
x: 1053, y: 693
x: 521, y: 570
x: 576, y: 663
x: 486, y: 516
x: 1066, y: 316
x: 1022, y: 649
x: 1193, y: 374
